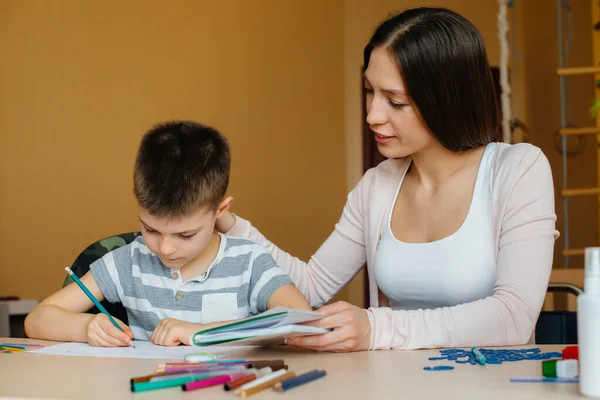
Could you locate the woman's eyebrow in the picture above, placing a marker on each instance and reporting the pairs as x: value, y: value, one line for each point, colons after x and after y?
x: 396, y: 92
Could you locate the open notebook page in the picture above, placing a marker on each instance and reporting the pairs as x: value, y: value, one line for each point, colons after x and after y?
x: 142, y: 349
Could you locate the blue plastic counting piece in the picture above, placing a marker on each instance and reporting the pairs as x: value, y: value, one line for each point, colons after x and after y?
x: 439, y: 368
x: 499, y: 356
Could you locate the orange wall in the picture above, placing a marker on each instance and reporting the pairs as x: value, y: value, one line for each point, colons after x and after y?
x: 81, y: 81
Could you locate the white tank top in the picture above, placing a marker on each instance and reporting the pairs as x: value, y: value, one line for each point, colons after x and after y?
x: 457, y: 269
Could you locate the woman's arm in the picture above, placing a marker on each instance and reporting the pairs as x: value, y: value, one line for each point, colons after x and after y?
x: 336, y: 262
x: 508, y: 317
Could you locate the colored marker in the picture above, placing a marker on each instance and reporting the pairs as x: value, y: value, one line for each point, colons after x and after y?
x: 17, y: 348
x: 211, y: 371
x: 215, y: 380
x: 148, y: 377
x: 543, y: 380
x: 145, y: 386
x: 261, y: 380
x: 439, y: 368
x: 206, y: 368
x: 265, y: 363
x: 239, y: 382
x: 10, y: 350
x: 265, y: 385
x: 299, y: 380
x: 211, y: 362
x: 248, y: 378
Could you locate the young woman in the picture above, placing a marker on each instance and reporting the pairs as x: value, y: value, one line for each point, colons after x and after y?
x: 457, y: 230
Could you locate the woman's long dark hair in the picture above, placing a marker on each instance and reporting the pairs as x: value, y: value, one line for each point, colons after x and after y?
x: 444, y: 66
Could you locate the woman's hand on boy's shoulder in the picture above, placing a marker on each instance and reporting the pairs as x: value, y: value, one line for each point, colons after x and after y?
x: 102, y: 333
x: 225, y: 222
x: 173, y: 332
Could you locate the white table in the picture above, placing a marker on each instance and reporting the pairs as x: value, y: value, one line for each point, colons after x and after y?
x: 397, y: 375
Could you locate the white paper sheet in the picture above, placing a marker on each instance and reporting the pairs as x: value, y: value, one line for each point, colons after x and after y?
x: 142, y: 349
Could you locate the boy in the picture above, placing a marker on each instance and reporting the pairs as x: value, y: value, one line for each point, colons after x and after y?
x: 180, y: 276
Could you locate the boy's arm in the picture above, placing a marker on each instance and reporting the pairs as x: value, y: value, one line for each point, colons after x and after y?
x: 61, y: 316
x: 288, y: 296
x: 270, y: 286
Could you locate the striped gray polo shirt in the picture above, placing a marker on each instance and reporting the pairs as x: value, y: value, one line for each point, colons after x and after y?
x: 237, y: 284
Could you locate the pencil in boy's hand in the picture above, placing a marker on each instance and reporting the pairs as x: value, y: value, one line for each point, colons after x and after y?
x: 94, y: 300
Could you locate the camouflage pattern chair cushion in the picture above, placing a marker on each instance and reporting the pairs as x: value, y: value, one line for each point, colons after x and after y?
x: 96, y: 250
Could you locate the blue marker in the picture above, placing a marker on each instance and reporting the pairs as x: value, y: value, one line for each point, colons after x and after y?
x: 544, y: 380
x: 479, y: 357
x: 439, y: 368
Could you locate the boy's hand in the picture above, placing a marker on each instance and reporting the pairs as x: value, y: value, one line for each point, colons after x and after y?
x: 102, y: 333
x: 173, y: 332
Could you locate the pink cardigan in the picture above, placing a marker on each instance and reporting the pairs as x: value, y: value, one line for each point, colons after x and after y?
x: 524, y: 227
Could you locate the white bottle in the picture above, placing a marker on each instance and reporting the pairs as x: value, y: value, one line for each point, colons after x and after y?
x: 588, y: 326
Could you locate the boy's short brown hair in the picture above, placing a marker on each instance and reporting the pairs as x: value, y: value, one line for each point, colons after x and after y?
x: 181, y: 166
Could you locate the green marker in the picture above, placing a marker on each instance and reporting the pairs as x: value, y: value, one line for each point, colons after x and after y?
x: 167, y: 383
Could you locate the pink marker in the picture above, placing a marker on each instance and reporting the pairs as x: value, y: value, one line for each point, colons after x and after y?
x: 215, y: 380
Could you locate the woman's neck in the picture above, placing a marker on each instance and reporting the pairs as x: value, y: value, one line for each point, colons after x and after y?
x: 434, y: 165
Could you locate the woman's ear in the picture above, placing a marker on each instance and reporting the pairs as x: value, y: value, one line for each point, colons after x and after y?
x: 224, y: 206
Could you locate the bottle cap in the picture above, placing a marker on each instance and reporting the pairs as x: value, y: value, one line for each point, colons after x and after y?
x: 591, y: 284
x: 570, y: 353
x: 592, y: 262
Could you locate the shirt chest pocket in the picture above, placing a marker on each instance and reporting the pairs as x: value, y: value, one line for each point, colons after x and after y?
x: 219, y: 307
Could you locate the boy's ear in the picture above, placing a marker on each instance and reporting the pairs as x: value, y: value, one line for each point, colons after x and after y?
x: 224, y: 206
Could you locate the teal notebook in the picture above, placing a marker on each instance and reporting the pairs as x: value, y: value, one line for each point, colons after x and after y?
x: 268, y: 328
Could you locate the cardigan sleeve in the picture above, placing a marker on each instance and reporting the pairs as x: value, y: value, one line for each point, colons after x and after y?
x: 335, y: 263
